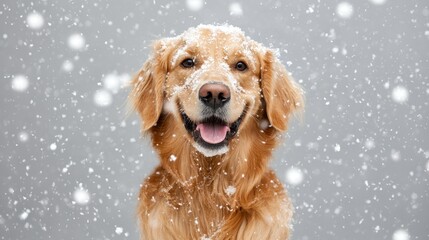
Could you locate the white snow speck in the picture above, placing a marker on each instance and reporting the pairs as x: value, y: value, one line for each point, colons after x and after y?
x: 173, y: 158
x: 400, y: 94
x: 20, y: 83
x: 344, y: 51
x: 81, y: 196
x: 76, y: 41
x: 427, y: 166
x: 264, y: 124
x: 113, y: 81
x: 35, y: 21
x: 337, y: 147
x: 386, y: 85
x: 395, y: 155
x: 168, y: 107
x: 67, y: 66
x: 377, y: 229
x: 401, y: 234
x: 102, y: 98
x: 230, y: 190
x: 53, y: 146
x: 378, y: 2
x: 310, y: 9
x: 195, y: 5
x: 369, y: 143
x: 344, y: 10
x: 235, y: 9
x: 23, y: 136
x: 119, y: 230
x: 24, y: 215
x: 294, y: 176
x: 338, y: 210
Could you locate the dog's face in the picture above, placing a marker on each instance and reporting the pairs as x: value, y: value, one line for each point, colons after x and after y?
x: 213, y: 83
x: 214, y: 80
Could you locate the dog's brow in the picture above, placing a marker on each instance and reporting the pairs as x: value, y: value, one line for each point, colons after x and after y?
x: 240, y: 53
x: 184, y: 50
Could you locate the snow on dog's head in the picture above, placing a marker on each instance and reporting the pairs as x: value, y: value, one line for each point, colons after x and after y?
x: 208, y: 85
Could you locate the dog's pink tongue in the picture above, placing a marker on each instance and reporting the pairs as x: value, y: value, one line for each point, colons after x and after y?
x: 212, y: 133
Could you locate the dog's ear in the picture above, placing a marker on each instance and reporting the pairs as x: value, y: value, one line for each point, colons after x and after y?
x: 281, y: 94
x: 147, y: 95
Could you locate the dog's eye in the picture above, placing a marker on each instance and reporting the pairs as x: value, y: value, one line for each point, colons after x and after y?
x: 240, y: 66
x: 188, y: 63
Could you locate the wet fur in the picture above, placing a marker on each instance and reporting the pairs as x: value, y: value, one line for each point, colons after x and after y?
x: 187, y: 198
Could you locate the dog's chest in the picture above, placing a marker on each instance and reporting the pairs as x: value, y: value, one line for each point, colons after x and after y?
x: 199, y: 212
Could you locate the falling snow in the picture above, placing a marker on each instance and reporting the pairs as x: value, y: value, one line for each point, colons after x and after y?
x: 264, y: 124
x: 294, y: 176
x: 395, y: 155
x: 230, y: 190
x: 173, y: 158
x: 23, y: 136
x: 20, y: 83
x: 35, y: 21
x: 401, y: 234
x: 119, y: 230
x: 344, y: 10
x: 24, y: 215
x: 81, y: 196
x: 114, y: 81
x: 53, y: 146
x: 195, y: 5
x: 400, y: 94
x: 76, y: 41
x: 369, y: 143
x: 103, y: 98
x: 235, y: 9
x: 337, y: 147
x: 67, y: 66
x: 378, y: 2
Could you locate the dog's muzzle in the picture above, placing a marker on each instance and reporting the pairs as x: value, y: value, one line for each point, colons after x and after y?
x: 213, y: 132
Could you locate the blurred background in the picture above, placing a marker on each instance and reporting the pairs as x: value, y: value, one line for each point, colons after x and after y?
x: 71, y: 160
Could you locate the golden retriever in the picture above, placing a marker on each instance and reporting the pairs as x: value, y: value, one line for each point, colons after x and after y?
x: 214, y: 103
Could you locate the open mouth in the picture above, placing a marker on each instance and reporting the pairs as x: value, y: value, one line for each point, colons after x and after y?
x: 212, y: 132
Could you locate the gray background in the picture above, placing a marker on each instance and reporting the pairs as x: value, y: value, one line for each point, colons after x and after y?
x: 363, y: 156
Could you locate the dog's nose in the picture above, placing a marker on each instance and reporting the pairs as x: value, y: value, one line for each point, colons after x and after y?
x: 214, y: 95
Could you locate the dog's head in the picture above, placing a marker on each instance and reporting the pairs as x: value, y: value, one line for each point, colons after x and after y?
x: 214, y: 80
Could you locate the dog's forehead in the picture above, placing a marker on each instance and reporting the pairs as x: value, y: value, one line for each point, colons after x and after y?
x: 207, y: 38
x: 210, y: 33
x: 210, y: 41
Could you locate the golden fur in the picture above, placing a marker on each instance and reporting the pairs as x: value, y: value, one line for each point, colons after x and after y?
x: 226, y: 195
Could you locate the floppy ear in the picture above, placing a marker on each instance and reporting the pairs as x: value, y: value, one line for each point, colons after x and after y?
x: 281, y: 94
x: 147, y: 95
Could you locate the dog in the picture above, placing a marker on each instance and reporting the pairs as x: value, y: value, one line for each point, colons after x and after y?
x: 214, y: 103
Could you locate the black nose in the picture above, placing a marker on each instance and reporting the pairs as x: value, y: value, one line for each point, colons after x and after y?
x: 214, y: 95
